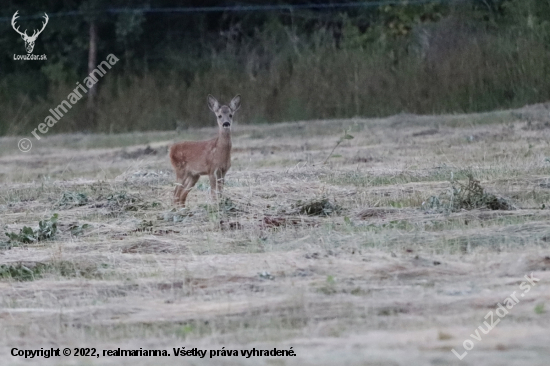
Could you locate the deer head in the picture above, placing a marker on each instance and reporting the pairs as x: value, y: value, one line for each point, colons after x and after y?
x: 29, y: 40
x: 224, y: 113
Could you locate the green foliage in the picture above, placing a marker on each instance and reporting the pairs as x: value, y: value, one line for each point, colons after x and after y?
x: 21, y: 272
x: 77, y: 230
x: 71, y: 269
x: 185, y: 330
x: 30, y: 271
x: 399, y: 19
x: 122, y: 201
x: 539, y: 308
x: 467, y: 196
x: 73, y: 199
x: 317, y: 207
x: 329, y: 287
x: 348, y: 221
x: 129, y: 26
x: 46, y: 230
x: 26, y: 235
x: 471, y: 195
x: 420, y: 58
x: 353, y: 38
x: 128, y: 30
x: 266, y: 275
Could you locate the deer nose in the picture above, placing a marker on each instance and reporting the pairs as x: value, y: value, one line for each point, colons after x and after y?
x: 226, y: 124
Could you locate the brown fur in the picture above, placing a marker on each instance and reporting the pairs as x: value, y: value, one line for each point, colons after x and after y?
x: 191, y: 159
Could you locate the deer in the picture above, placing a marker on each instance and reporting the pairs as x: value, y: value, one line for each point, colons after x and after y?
x: 29, y: 40
x: 191, y: 159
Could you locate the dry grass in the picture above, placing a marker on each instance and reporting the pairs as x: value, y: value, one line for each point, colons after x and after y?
x: 350, y: 262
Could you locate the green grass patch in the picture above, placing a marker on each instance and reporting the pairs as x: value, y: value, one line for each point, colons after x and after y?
x: 46, y: 230
x: 30, y: 271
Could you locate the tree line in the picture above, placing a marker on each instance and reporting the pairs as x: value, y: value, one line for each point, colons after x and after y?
x: 288, y: 64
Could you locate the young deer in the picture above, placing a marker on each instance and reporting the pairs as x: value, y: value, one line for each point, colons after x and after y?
x: 191, y: 159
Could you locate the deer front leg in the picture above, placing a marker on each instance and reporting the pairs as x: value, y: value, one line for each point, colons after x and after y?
x: 213, y: 186
x: 221, y: 181
x: 216, y: 184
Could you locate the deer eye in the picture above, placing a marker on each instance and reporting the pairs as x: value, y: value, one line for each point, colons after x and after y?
x: 220, y: 116
x: 230, y: 116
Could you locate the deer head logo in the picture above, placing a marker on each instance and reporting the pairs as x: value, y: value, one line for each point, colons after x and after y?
x: 29, y: 40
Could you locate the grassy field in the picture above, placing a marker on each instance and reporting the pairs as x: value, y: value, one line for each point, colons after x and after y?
x: 378, y: 257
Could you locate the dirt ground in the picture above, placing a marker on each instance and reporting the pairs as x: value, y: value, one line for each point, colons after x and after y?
x: 378, y: 257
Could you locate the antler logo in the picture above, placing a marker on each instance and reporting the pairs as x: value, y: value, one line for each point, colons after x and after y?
x: 29, y: 41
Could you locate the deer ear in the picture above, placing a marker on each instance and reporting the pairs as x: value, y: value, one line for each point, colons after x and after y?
x: 213, y: 103
x: 235, y: 103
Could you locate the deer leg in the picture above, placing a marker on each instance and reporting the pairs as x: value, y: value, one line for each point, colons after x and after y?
x: 180, y: 180
x: 213, y: 186
x: 189, y: 182
x: 216, y: 184
x: 221, y: 181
